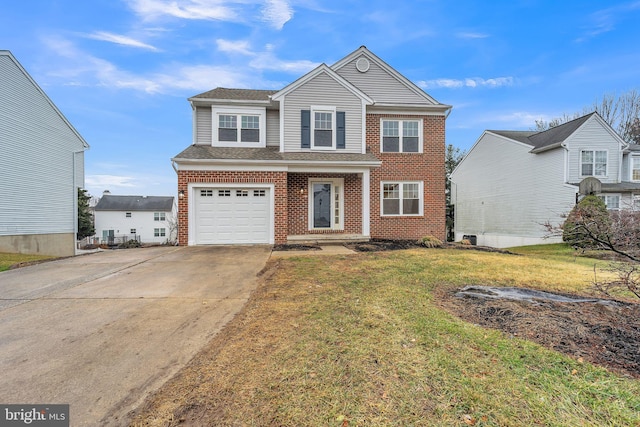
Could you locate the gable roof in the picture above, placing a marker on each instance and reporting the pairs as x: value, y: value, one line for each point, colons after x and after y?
x: 363, y: 51
x: 135, y: 203
x: 236, y: 94
x: 9, y: 55
x: 322, y: 68
x: 547, y: 139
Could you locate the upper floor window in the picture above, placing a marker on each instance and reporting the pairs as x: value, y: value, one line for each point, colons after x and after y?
x: 239, y: 127
x: 593, y: 163
x: 635, y: 168
x: 401, y: 136
x: 323, y: 128
x: 127, y: 214
x: 323, y: 135
x: 159, y: 216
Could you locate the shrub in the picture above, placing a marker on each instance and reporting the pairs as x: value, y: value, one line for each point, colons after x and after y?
x: 130, y: 244
x: 465, y: 242
x: 431, y: 242
x: 587, y: 224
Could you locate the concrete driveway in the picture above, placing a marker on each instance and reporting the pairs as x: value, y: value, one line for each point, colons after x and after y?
x: 103, y: 331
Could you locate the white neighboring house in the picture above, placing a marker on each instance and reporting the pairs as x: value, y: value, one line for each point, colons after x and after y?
x: 149, y: 219
x: 41, y: 167
x: 512, y: 182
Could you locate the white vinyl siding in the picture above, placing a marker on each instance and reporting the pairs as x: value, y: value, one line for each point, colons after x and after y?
x: 41, y: 162
x: 323, y: 90
x: 504, y: 194
x: 145, y: 224
x: 273, y: 128
x: 379, y: 84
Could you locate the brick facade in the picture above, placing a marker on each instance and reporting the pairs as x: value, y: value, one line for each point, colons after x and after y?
x: 427, y: 166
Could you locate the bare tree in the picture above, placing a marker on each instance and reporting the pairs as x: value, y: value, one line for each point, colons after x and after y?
x: 622, y: 113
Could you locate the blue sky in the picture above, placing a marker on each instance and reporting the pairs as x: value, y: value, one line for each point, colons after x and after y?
x: 121, y: 70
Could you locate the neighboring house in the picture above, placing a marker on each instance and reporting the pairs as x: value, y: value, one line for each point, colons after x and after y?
x: 148, y: 219
x: 347, y: 152
x: 512, y: 182
x: 41, y: 167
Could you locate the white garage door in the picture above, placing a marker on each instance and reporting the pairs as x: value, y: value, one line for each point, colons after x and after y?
x: 232, y: 215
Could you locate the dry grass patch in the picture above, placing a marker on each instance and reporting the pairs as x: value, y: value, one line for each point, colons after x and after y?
x: 10, y: 260
x: 358, y: 340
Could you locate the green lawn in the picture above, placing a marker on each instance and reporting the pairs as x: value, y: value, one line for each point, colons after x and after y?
x: 361, y: 341
x: 7, y: 260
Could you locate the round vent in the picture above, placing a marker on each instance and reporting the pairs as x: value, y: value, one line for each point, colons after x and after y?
x: 362, y: 65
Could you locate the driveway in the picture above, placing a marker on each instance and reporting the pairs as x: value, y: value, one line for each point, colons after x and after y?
x: 103, y: 331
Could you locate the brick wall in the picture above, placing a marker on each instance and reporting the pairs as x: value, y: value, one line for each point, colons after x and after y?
x: 279, y: 179
x: 427, y: 167
x: 299, y: 203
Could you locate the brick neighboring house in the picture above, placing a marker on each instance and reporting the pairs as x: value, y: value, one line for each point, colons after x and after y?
x: 348, y: 152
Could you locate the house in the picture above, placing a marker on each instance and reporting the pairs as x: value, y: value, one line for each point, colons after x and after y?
x: 148, y: 219
x: 351, y: 151
x: 41, y: 167
x: 512, y: 182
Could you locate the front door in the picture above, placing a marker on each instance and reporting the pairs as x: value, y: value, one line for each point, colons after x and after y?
x: 325, y: 204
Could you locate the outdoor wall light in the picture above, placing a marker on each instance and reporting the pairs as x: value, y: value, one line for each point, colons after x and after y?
x: 181, y: 194
x: 301, y: 190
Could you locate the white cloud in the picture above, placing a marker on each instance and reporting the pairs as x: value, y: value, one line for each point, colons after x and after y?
x: 184, y: 9
x: 468, y: 82
x: 120, y: 39
x: 277, y: 13
x: 605, y: 20
x: 267, y: 61
x: 107, y: 182
x: 471, y: 35
x: 230, y: 46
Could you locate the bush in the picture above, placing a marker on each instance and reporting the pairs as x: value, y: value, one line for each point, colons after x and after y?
x: 587, y: 223
x: 465, y: 242
x: 430, y: 242
x: 130, y: 244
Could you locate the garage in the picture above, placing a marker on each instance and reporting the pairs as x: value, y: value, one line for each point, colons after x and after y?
x: 232, y: 215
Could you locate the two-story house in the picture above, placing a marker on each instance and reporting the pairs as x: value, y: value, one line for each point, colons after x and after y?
x: 349, y: 151
x: 148, y: 219
x: 41, y: 167
x: 513, y: 182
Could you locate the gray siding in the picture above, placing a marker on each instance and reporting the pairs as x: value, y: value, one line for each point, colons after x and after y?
x: 37, y: 162
x: 203, y: 126
x: 379, y: 84
x: 593, y: 136
x: 323, y: 90
x: 503, y: 191
x: 273, y: 128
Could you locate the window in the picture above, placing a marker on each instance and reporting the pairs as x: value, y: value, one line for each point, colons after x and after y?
x: 224, y: 193
x: 159, y: 232
x: 239, y: 127
x: 322, y: 128
x: 401, y: 136
x: 259, y: 193
x: 635, y: 168
x: 132, y: 231
x: 593, y: 163
x: 159, y: 216
x: 127, y: 214
x: 242, y: 193
x: 401, y: 198
x: 206, y: 193
x: 612, y: 201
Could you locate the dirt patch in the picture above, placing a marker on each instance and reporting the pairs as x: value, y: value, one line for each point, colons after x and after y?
x: 377, y: 245
x: 296, y: 248
x: 604, y: 334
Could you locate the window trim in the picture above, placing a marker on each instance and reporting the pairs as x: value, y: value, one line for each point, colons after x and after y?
x: 335, y: 182
x: 159, y: 216
x: 401, y: 121
x: 259, y: 112
x: 401, y: 183
x: 594, y: 151
x: 633, y: 158
x: 160, y: 232
x: 603, y: 197
x: 312, y: 125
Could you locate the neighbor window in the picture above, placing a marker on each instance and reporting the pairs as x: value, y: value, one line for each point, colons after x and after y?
x: 635, y: 168
x: 239, y: 127
x: 159, y: 232
x: 159, y: 216
x: 132, y: 231
x: 127, y: 214
x: 593, y: 163
x: 611, y: 200
x: 401, y: 136
x: 402, y: 198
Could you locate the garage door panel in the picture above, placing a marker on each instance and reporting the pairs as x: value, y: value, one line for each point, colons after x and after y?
x: 227, y: 216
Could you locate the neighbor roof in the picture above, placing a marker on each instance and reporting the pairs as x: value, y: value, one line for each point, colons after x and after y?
x: 237, y: 94
x: 547, y: 138
x: 135, y: 203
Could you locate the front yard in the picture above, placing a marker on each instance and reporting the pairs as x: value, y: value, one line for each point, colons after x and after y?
x: 369, y: 339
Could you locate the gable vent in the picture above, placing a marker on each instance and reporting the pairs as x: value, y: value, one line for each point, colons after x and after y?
x: 362, y: 65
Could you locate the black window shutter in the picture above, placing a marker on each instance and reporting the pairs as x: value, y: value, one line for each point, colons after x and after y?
x: 305, y: 120
x: 340, y: 130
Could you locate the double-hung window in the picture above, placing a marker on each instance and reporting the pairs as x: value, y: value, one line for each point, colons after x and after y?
x: 401, y: 198
x: 612, y: 201
x: 239, y: 127
x: 593, y: 163
x: 159, y: 216
x: 322, y: 128
x: 159, y: 232
x: 401, y: 136
x: 635, y: 168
